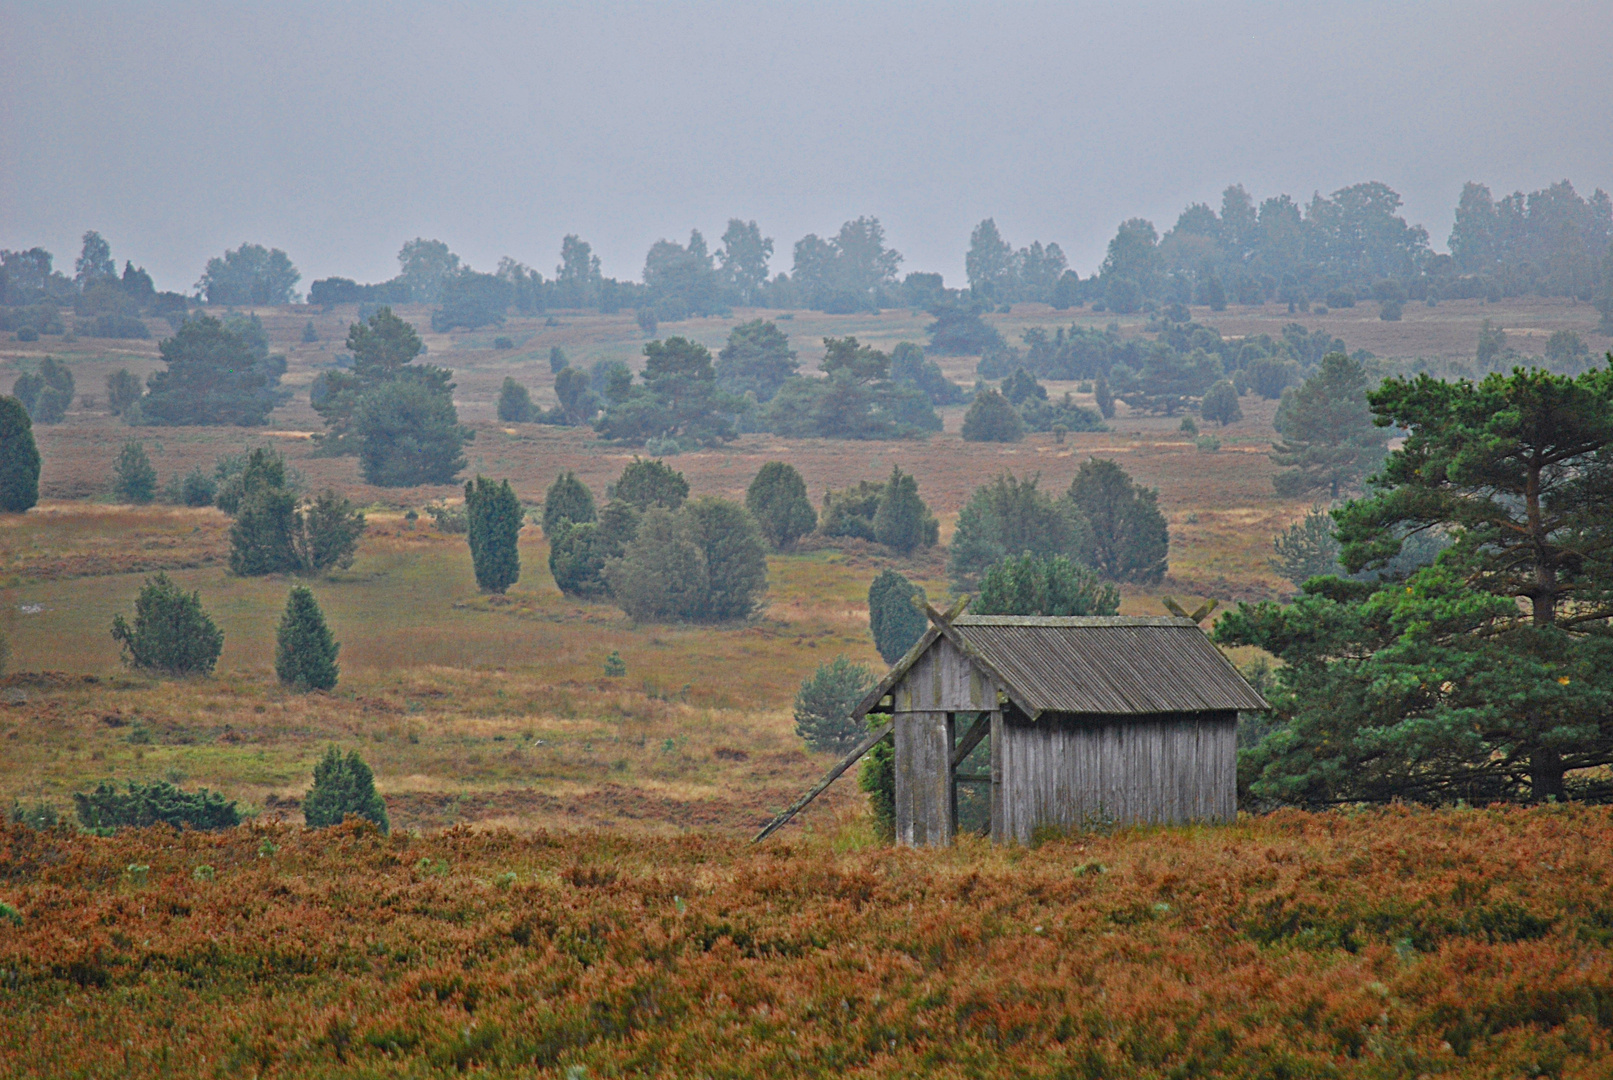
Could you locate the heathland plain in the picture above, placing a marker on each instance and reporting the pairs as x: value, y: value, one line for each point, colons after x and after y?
x: 497, y: 710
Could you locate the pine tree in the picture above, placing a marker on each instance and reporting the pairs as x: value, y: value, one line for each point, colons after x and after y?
x: 1329, y: 439
x: 777, y: 499
x: 19, y: 458
x: 343, y: 786
x: 305, y: 652
x: 823, y: 705
x: 494, y: 516
x: 895, y: 621
x: 902, y: 521
x: 134, y: 480
x: 171, y: 632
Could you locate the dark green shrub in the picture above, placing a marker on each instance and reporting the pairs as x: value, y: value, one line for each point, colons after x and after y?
x: 777, y: 499
x: 503, y: 343
x: 824, y: 703
x: 567, y: 502
x: 309, y: 334
x: 197, y: 489
x: 651, y: 482
x: 850, y: 512
x: 305, y: 651
x: 494, y: 516
x: 106, y: 809
x: 19, y: 458
x: 992, y: 418
x: 661, y: 575
x: 894, y: 619
x: 514, y: 402
x: 578, y: 553
x: 171, y: 633
x: 902, y: 521
x: 263, y: 535
x: 1037, y: 585
x: 325, y: 533
x: 134, y: 480
x: 408, y: 433
x: 343, y: 786
x: 1221, y: 404
x: 1130, y: 539
x: 734, y: 554
x: 1011, y: 517
x: 557, y: 359
x: 876, y: 776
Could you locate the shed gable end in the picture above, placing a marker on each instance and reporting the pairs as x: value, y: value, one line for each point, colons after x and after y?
x: 944, y: 679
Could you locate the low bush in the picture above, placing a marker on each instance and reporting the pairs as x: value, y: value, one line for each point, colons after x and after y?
x: 107, y: 809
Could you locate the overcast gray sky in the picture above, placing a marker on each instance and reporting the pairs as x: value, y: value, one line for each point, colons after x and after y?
x: 339, y: 131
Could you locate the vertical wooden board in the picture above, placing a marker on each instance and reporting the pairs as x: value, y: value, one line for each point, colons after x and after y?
x: 924, y: 814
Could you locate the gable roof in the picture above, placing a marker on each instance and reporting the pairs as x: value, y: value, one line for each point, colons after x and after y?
x: 1112, y: 665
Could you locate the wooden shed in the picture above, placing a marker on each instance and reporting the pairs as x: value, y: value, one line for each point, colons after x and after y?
x: 1093, y: 719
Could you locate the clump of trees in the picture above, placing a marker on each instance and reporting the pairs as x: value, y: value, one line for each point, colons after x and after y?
x: 678, y: 400
x: 777, y: 500
x: 705, y: 562
x: 216, y: 373
x: 1031, y: 584
x: 19, y: 458
x: 46, y: 392
x: 396, y: 415
x: 251, y: 274
x: 1104, y: 521
x: 891, y: 513
x: 856, y: 399
x: 171, y: 633
x: 277, y: 532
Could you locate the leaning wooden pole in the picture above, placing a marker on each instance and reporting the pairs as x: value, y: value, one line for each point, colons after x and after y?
x: 833, y: 774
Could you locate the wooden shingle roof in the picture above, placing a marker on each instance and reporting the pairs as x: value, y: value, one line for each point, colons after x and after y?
x: 1111, y: 665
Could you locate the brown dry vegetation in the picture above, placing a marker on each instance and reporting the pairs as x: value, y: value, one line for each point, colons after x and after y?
x: 1388, y: 943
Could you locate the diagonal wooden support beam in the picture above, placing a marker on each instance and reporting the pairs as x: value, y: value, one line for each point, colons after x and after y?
x: 833, y: 774
x: 981, y: 726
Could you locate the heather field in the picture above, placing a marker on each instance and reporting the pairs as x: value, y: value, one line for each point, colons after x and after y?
x: 1463, y: 943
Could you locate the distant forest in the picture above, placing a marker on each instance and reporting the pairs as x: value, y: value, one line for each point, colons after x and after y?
x: 1335, y: 250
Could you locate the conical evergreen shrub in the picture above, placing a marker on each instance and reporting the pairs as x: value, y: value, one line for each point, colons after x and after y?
x: 777, y: 499
x: 19, y: 458
x: 305, y: 652
x: 494, y: 516
x: 902, y: 521
x: 342, y: 786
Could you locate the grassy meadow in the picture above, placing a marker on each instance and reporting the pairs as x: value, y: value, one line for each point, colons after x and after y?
x: 496, y: 710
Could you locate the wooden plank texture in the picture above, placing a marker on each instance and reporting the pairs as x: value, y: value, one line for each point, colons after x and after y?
x: 924, y: 794
x: 1079, y: 772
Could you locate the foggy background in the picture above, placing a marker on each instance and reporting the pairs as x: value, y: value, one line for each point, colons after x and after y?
x: 338, y: 132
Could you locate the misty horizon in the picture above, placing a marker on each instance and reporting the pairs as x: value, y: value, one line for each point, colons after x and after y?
x: 500, y: 130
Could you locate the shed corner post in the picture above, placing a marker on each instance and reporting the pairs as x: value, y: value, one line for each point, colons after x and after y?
x: 999, y: 831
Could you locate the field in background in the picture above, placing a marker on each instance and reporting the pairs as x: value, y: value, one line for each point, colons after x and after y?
x: 497, y: 710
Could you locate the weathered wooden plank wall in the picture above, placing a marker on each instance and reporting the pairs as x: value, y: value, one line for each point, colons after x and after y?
x: 1077, y: 771
x: 925, y: 805
x: 944, y: 680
